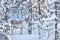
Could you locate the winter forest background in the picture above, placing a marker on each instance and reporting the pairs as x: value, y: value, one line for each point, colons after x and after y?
x: 29, y: 19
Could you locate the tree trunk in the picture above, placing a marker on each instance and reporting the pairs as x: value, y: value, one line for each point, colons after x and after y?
x: 56, y: 29
x: 30, y: 24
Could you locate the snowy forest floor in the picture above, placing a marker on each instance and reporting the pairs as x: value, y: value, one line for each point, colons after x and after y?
x: 25, y: 36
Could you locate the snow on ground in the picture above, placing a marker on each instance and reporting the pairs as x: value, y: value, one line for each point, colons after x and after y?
x: 17, y: 36
x: 24, y: 37
x: 34, y: 36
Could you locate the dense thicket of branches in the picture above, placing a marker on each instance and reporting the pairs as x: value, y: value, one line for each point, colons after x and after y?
x: 35, y: 12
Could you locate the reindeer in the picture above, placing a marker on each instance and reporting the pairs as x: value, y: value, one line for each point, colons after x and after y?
x: 19, y: 24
